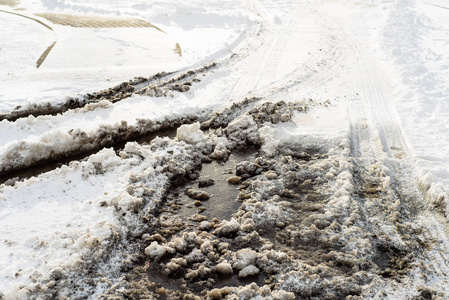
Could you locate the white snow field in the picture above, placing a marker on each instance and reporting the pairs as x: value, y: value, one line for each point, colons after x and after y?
x: 364, y: 118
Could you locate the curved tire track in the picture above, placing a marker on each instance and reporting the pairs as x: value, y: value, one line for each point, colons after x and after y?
x: 302, y: 79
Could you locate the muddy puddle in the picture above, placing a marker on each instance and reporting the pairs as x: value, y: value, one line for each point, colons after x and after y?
x: 156, y: 276
x: 235, y: 281
x: 222, y: 203
x: 307, y: 226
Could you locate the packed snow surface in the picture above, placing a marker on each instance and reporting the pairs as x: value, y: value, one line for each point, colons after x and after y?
x: 345, y: 102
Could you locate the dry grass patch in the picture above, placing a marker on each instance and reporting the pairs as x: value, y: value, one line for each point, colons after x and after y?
x: 12, y: 3
x: 94, y: 21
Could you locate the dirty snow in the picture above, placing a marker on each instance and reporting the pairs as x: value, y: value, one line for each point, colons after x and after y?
x: 363, y: 83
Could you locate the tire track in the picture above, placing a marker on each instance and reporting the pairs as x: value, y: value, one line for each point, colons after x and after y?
x: 82, y: 143
x: 142, y: 138
x: 378, y: 142
x: 157, y: 85
x: 266, y: 60
x: 312, y: 75
x: 367, y: 82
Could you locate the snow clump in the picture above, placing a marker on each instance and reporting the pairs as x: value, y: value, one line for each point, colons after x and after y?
x: 191, y: 134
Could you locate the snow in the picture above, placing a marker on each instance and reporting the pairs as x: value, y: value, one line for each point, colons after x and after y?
x: 60, y: 217
x: 224, y: 268
x: 191, y: 134
x: 89, y: 59
x: 155, y: 251
x: 245, y: 258
x: 376, y: 73
x: 421, y: 62
x: 249, y: 271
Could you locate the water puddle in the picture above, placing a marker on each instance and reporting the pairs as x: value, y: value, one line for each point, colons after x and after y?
x: 234, y: 280
x: 12, y: 177
x: 222, y: 202
x: 156, y: 275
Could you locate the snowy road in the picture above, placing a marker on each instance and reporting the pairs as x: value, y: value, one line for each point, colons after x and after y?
x: 344, y: 104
